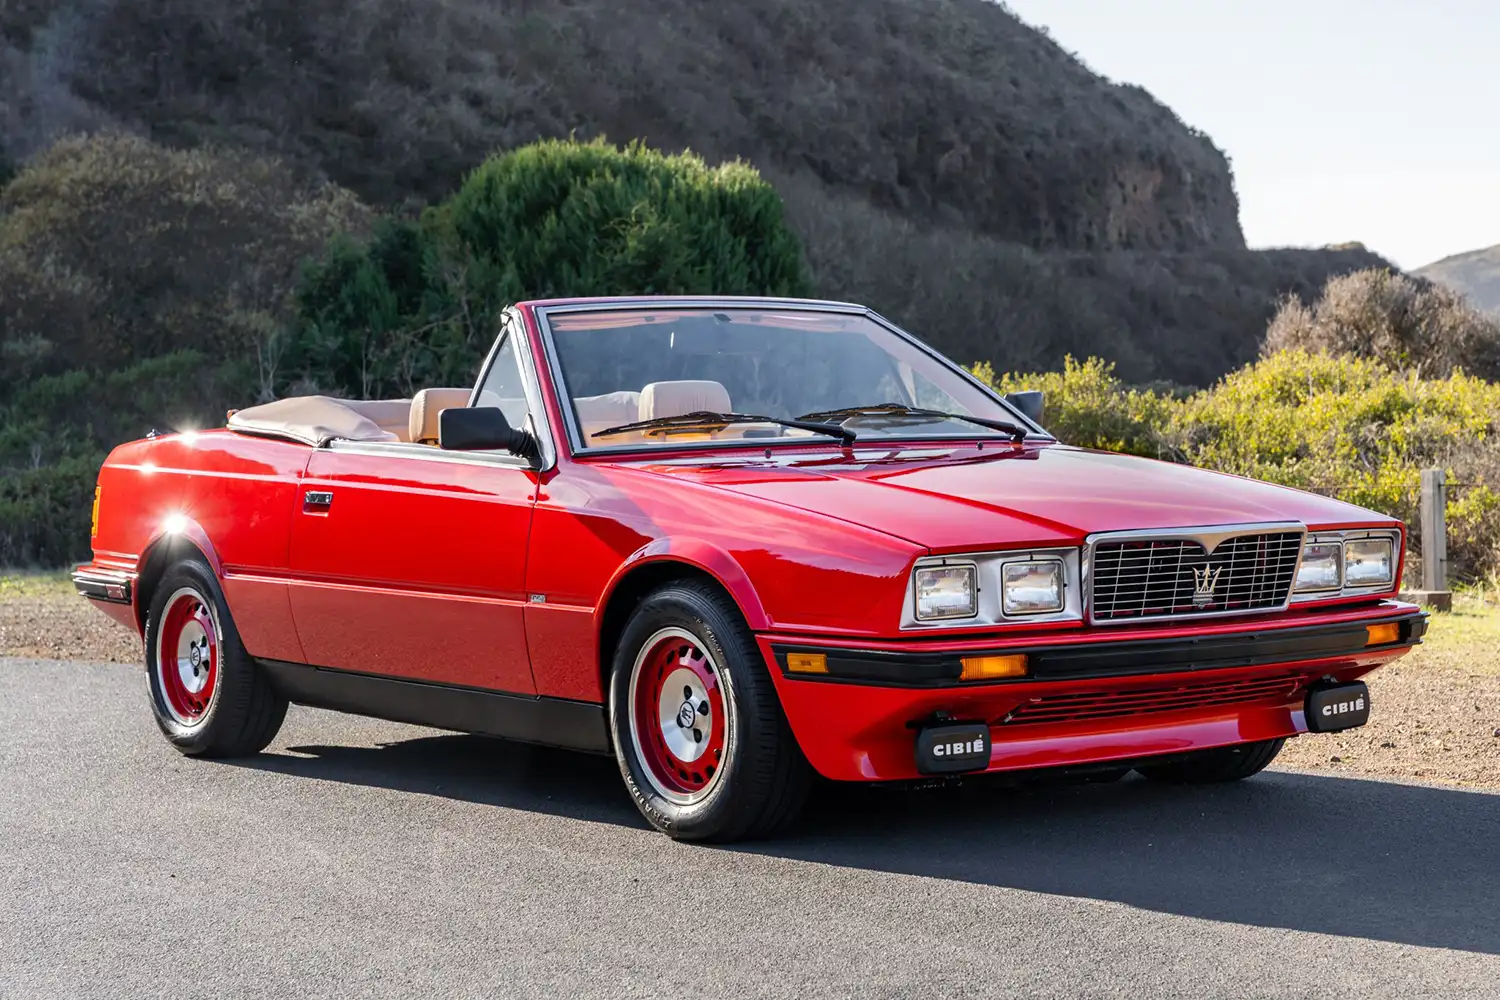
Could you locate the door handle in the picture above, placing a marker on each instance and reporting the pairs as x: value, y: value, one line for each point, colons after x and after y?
x: 317, y: 501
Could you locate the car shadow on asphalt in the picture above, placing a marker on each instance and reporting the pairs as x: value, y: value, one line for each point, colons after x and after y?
x: 1418, y: 865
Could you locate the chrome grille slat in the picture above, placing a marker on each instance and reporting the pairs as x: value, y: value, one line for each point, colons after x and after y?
x: 1145, y: 577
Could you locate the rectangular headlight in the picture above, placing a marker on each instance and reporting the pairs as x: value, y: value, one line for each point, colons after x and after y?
x: 1032, y: 588
x: 946, y: 592
x: 1322, y: 567
x: 1369, y: 562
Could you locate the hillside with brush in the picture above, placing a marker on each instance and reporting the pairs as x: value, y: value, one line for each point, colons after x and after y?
x: 942, y: 161
x: 1475, y: 274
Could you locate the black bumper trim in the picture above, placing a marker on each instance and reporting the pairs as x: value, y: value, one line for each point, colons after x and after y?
x: 1110, y: 658
x: 103, y: 587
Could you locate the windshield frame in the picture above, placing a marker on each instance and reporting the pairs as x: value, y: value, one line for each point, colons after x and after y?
x: 574, y: 435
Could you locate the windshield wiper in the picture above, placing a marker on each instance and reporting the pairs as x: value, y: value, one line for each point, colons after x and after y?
x: 900, y: 411
x: 700, y: 419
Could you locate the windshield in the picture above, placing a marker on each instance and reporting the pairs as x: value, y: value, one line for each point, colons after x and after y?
x: 628, y: 366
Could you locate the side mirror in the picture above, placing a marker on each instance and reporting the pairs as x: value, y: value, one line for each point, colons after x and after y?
x: 1029, y: 403
x: 480, y: 428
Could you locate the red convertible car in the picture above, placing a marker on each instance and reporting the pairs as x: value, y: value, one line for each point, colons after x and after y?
x: 738, y: 543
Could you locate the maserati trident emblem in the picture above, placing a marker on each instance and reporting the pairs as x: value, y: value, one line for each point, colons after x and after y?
x: 1205, y: 579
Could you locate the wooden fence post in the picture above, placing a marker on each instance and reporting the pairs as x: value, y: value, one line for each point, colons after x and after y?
x: 1432, y: 528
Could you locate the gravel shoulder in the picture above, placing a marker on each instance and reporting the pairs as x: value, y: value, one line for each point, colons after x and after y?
x: 1436, y: 712
x: 41, y: 616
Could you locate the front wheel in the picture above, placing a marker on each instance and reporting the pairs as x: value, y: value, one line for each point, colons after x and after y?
x: 701, y: 740
x: 1233, y: 763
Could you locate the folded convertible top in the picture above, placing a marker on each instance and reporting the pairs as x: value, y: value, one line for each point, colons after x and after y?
x: 316, y: 420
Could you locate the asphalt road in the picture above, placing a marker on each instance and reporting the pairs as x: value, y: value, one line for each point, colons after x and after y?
x: 361, y: 858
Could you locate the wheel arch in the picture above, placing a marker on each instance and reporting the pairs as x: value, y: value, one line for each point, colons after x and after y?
x: 649, y: 571
x: 183, y: 538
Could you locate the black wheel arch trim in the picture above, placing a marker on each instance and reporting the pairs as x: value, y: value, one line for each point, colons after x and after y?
x: 1109, y: 657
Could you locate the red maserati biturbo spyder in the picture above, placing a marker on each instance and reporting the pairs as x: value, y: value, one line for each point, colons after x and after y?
x: 735, y: 542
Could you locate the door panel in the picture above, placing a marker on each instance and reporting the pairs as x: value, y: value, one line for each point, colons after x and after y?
x: 414, y: 566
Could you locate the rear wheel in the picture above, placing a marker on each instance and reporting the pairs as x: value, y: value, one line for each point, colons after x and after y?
x: 701, y: 740
x: 210, y: 698
x: 1220, y: 764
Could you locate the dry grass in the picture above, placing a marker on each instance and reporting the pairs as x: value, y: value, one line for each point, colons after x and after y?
x: 25, y: 583
x: 42, y: 616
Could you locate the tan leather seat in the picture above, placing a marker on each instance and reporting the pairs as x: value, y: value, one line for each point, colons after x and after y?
x: 425, y: 407
x: 672, y: 399
x: 391, y: 415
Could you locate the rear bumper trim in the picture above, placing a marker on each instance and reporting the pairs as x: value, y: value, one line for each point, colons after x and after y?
x: 97, y: 585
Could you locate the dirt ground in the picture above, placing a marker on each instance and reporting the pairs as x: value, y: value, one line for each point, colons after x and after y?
x: 1435, y: 713
x: 42, y: 616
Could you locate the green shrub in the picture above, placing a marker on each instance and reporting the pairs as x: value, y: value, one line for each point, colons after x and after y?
x: 56, y: 430
x: 113, y: 249
x: 1087, y: 405
x: 44, y: 512
x: 1339, y: 426
x: 419, y: 304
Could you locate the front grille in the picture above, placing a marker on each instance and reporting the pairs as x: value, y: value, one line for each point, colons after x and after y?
x: 1082, y: 706
x: 1150, y: 578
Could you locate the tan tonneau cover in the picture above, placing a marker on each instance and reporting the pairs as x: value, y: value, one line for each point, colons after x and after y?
x: 316, y: 420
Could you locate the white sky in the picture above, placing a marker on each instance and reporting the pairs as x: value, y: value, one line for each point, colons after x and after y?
x: 1368, y: 120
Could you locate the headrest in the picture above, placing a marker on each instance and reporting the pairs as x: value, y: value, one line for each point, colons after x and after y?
x: 425, y: 407
x: 673, y: 399
x: 608, y: 410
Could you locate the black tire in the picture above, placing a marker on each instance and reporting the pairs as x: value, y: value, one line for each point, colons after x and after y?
x: 1234, y: 763
x: 242, y: 711
x: 762, y: 778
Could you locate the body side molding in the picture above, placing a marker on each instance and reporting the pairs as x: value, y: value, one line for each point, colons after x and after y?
x: 558, y: 722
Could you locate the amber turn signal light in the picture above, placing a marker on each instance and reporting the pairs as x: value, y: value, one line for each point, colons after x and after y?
x: 807, y: 663
x: 992, y: 668
x: 1380, y: 635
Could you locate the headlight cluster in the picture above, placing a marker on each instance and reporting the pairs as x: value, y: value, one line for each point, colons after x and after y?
x: 991, y: 588
x: 1335, y: 563
x: 947, y: 592
x: 1032, y: 588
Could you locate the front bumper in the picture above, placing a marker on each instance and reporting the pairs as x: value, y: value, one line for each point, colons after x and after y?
x: 1088, y: 698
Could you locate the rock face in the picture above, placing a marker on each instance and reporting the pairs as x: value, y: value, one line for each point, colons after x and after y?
x: 1475, y: 274
x: 940, y: 160
x: 954, y: 112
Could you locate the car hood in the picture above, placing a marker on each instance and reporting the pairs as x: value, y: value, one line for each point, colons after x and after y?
x: 956, y: 499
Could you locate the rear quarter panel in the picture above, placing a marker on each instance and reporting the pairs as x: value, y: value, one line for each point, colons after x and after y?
x: 229, y: 495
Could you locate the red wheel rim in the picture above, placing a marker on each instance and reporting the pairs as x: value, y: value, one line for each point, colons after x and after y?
x: 187, y: 657
x: 677, y: 718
